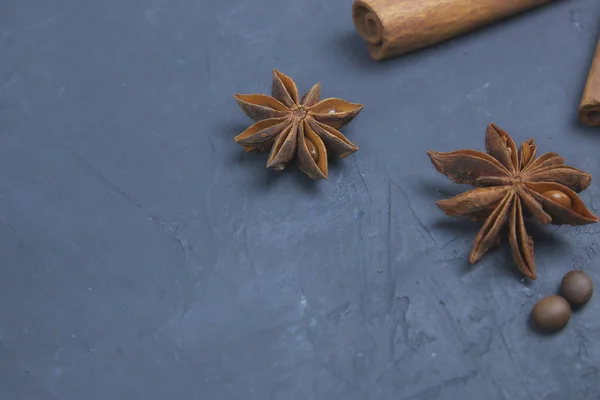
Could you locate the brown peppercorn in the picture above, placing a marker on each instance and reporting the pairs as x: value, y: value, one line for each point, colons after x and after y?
x: 558, y: 197
x: 551, y: 313
x: 577, y: 287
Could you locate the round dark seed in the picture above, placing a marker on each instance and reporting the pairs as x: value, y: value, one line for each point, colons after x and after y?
x: 577, y: 288
x: 551, y: 313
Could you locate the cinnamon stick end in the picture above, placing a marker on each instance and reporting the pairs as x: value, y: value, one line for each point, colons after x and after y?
x: 367, y: 22
x: 590, y: 114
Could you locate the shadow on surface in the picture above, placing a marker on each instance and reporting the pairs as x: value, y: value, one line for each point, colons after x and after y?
x: 350, y: 45
x: 338, y: 166
x: 545, y: 237
x: 264, y: 178
x: 500, y: 256
x: 458, y: 227
x: 256, y: 163
x: 441, y: 192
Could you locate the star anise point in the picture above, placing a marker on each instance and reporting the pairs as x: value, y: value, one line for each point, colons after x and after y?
x: 511, y: 184
x: 297, y: 128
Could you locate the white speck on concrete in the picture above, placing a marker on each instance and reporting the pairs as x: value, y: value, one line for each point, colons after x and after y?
x: 303, y: 304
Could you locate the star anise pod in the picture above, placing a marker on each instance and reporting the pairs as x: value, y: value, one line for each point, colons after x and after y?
x: 296, y: 128
x: 512, y: 185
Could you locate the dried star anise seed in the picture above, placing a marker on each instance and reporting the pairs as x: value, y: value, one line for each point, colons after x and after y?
x: 296, y: 128
x: 512, y: 185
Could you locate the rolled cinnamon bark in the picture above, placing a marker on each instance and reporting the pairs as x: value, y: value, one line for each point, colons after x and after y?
x: 589, y: 108
x: 395, y: 27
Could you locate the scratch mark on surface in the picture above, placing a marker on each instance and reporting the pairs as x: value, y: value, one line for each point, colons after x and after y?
x: 395, y: 363
x: 451, y: 322
x: 402, y: 305
x: 340, y: 312
x: 567, y: 92
x: 61, y: 91
x: 167, y: 232
x: 53, y: 41
x: 499, y: 388
x: 350, y: 384
x: 247, y: 251
x: 481, y: 110
x: 365, y: 320
x: 481, y: 89
x: 448, y: 242
x: 103, y: 178
x: 389, y: 221
x: 389, y: 251
x: 47, y: 21
x: 239, y: 230
x: 362, y: 177
x: 583, y: 231
x: 212, y: 146
x: 207, y: 64
x: 583, y: 345
x: 514, y: 363
x: 414, y: 213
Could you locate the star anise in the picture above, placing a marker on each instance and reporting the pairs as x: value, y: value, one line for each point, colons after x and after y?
x: 293, y: 127
x: 511, y: 186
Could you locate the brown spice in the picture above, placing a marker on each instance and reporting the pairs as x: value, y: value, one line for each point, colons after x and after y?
x: 559, y: 197
x: 577, y: 287
x: 395, y: 27
x: 293, y: 127
x: 510, y: 183
x: 551, y: 314
x: 312, y: 149
x: 589, y: 108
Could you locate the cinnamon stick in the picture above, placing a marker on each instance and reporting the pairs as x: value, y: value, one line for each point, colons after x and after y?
x: 395, y: 27
x: 589, y: 108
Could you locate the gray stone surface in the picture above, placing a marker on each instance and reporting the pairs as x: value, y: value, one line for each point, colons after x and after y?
x: 146, y: 256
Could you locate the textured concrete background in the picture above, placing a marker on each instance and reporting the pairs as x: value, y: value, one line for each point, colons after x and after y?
x: 146, y: 256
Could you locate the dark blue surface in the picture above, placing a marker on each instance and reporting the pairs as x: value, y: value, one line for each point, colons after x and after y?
x: 146, y: 256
